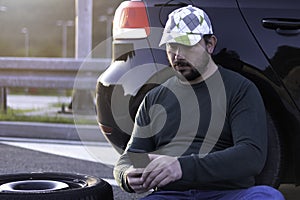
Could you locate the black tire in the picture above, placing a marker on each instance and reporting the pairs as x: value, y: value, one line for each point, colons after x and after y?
x: 271, y: 172
x: 80, y: 187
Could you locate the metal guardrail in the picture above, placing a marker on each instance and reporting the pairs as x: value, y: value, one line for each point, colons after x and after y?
x: 59, y: 73
x: 50, y: 131
x: 56, y: 73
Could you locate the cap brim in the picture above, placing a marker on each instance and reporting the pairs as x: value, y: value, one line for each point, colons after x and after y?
x: 180, y: 38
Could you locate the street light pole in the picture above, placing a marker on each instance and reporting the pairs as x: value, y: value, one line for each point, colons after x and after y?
x: 25, y: 31
x: 64, y: 25
x: 3, y: 91
x: 108, y: 19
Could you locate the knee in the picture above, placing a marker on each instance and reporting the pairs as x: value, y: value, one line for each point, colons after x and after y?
x: 264, y: 192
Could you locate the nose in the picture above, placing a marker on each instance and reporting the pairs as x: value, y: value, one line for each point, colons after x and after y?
x: 178, y: 54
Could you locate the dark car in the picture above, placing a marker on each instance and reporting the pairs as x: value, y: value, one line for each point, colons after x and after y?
x: 260, y: 39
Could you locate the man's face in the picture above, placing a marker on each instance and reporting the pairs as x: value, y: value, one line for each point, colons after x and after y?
x: 188, y: 61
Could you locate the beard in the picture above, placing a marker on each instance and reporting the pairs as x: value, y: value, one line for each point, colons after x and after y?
x: 186, y: 71
x: 189, y: 76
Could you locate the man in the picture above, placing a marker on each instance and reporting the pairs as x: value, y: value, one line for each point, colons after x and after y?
x: 203, y: 129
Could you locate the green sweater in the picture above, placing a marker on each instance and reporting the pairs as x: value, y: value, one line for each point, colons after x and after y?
x: 216, y: 128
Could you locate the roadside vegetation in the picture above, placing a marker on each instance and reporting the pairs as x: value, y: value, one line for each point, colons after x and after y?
x: 59, y: 115
x: 23, y: 116
x: 20, y: 115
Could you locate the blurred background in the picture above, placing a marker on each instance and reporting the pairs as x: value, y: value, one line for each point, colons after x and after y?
x: 41, y: 28
x: 46, y: 29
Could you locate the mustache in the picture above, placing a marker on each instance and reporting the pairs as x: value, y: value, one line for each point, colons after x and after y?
x: 180, y: 63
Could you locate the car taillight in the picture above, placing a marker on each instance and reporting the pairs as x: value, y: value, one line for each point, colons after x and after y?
x: 131, y: 21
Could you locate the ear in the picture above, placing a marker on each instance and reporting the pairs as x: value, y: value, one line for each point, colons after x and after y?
x: 212, y: 42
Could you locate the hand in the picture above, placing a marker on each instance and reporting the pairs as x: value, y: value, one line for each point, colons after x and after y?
x: 134, y: 179
x: 161, y: 171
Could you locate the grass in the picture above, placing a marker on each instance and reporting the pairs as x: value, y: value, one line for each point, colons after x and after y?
x: 40, y: 91
x: 23, y: 115
x: 20, y: 115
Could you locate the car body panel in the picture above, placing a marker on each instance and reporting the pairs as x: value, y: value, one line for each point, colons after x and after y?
x: 275, y: 25
x: 280, y: 45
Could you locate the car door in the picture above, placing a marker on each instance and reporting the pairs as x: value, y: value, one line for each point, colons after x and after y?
x: 276, y: 26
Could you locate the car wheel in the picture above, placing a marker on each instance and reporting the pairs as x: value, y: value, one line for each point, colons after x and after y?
x: 53, y: 186
x: 271, y: 172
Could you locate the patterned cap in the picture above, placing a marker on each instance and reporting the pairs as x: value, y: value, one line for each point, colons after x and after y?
x: 186, y: 26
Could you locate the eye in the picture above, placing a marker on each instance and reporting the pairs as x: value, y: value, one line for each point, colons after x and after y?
x: 169, y: 45
x: 172, y: 47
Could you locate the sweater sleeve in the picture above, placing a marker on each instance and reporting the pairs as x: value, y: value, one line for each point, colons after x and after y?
x: 141, y: 127
x: 246, y: 158
x: 119, y: 172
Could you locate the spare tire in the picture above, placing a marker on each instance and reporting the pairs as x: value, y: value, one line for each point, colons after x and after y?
x: 53, y: 186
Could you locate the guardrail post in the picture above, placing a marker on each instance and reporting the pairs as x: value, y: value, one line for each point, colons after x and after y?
x: 3, y: 100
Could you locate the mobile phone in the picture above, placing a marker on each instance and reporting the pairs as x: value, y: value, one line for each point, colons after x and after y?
x: 138, y: 157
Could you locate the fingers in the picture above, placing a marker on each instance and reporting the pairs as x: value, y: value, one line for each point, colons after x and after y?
x: 153, y: 156
x: 160, y: 180
x: 135, y: 181
x: 158, y: 177
x: 137, y: 187
x: 161, y: 171
x: 134, y: 172
x: 152, y: 172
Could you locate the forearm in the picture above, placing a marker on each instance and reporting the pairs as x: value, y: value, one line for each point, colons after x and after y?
x: 241, y: 161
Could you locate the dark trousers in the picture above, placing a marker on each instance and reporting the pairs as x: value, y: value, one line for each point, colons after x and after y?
x: 252, y: 193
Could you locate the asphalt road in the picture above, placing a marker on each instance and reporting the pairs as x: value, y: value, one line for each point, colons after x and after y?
x: 19, y: 160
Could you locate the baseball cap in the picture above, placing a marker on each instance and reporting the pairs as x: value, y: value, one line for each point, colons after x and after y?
x: 186, y: 26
